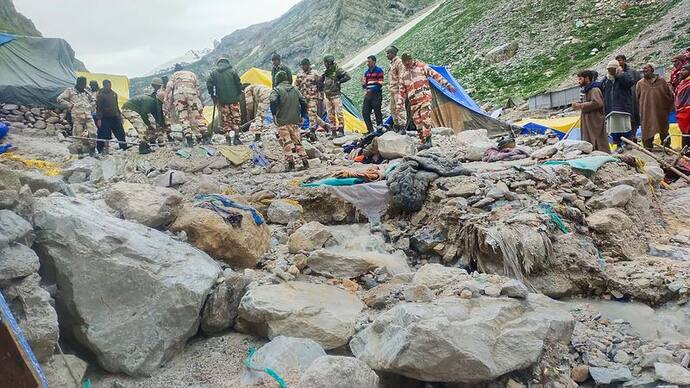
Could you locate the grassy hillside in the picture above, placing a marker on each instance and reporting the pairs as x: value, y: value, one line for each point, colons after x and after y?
x: 310, y: 29
x: 555, y: 38
x: 14, y: 22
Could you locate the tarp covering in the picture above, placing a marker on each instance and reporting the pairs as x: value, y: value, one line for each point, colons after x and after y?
x: 120, y: 83
x: 34, y: 71
x: 458, y: 111
x: 353, y: 119
x: 4, y: 38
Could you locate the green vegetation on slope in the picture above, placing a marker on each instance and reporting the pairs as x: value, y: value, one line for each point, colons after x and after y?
x: 14, y: 22
x: 552, y: 46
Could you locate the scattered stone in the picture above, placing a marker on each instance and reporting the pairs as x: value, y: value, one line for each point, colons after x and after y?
x: 502, y: 53
x: 475, y: 142
x: 463, y: 190
x: 331, y: 264
x: 14, y: 228
x: 580, y: 373
x: 339, y: 372
x: 36, y: 181
x: 152, y: 206
x: 610, y: 375
x: 323, y: 313
x: 170, y: 179
x: 672, y: 373
x: 157, y: 283
x: 544, y: 153
x: 609, y: 220
x: 240, y: 247
x: 17, y: 261
x: 283, y: 212
x: 514, y: 289
x: 288, y: 357
x: 617, y: 196
x: 310, y: 237
x: 478, y: 337
x: 436, y: 276
x: 418, y: 293
x: 220, y: 310
x: 425, y: 239
x: 60, y: 369
x: 622, y: 357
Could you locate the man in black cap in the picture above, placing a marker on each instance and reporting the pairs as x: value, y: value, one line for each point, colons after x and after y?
x: 278, y: 66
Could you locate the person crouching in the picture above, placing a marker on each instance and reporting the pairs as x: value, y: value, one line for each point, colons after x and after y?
x: 289, y: 107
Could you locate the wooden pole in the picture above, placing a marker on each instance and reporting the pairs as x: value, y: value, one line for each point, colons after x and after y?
x: 661, y: 162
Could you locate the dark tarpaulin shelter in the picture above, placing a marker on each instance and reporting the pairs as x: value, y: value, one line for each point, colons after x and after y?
x: 34, y: 71
x: 459, y: 111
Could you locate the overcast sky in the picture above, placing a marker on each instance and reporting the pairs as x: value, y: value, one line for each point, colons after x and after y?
x: 132, y: 37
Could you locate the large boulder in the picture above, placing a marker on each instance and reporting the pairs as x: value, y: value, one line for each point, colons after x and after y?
x: 31, y: 306
x: 130, y: 294
x: 152, y: 206
x: 502, y: 52
x: 310, y: 237
x: 458, y: 340
x: 323, y: 313
x: 347, y: 266
x: 339, y: 372
x: 240, y: 246
x: 17, y: 261
x: 672, y: 373
x: 475, y: 143
x: 221, y: 307
x: 283, y: 212
x: 609, y: 220
x: 36, y: 181
x: 617, y: 196
x: 14, y: 228
x: 437, y: 276
x: 82, y: 168
x: 287, y: 356
x: 393, y: 146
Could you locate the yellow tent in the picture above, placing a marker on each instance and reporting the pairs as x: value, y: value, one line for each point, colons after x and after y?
x: 120, y: 83
x: 263, y: 77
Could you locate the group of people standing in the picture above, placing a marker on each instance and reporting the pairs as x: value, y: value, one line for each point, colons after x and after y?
x: 627, y: 99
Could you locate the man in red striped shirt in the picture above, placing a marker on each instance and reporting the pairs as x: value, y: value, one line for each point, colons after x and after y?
x: 372, y: 83
x: 416, y: 87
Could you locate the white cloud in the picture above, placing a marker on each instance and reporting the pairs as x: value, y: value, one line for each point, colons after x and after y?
x: 133, y: 36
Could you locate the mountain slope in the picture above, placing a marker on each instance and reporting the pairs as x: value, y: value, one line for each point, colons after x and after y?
x: 555, y: 38
x: 310, y: 29
x: 14, y: 22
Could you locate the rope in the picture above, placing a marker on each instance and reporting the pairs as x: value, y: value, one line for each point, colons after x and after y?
x: 69, y: 369
x: 268, y: 371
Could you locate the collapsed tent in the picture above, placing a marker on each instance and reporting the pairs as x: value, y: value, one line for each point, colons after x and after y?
x: 34, y: 71
x: 458, y: 111
x: 353, y: 118
x: 120, y: 83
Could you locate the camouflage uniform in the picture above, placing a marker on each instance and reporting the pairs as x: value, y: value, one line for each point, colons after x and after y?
x: 144, y: 132
x: 160, y: 98
x: 230, y: 116
x: 395, y: 72
x: 415, y: 87
x: 307, y: 83
x: 258, y: 100
x: 81, y: 106
x: 182, y: 97
x: 289, y: 137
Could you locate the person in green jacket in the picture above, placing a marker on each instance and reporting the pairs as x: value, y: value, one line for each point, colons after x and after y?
x: 276, y: 60
x: 331, y: 81
x: 289, y: 108
x: 145, y: 115
x: 225, y: 88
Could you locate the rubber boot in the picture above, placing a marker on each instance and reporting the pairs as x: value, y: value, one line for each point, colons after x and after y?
x: 144, y: 148
x: 305, y: 164
x: 290, y: 166
x: 257, y: 138
x: 237, y: 140
x: 228, y: 140
x: 426, y: 145
x: 341, y: 132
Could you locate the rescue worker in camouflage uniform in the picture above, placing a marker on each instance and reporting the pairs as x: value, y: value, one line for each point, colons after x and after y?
x: 186, y: 109
x: 394, y: 81
x: 331, y: 81
x: 145, y: 115
x: 225, y: 88
x: 307, y: 82
x: 288, y: 107
x: 415, y: 87
x: 258, y: 100
x: 276, y: 60
x: 81, y: 104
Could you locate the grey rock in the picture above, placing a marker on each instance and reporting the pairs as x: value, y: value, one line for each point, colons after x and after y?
x: 346, y: 266
x: 339, y: 372
x: 418, y: 293
x: 656, y: 174
x: 170, y: 179
x: 9, y: 179
x: 609, y: 220
x: 323, y: 313
x: 310, y: 237
x: 502, y: 52
x: 459, y: 340
x: 14, y: 228
x: 393, y: 146
x: 425, y: 239
x: 437, y: 276
x: 157, y: 283
x: 638, y: 181
x: 610, y: 375
x: 77, y: 177
x: 287, y: 356
x: 60, y: 369
x: 672, y: 373
x: 17, y: 261
x: 31, y: 306
x: 463, y: 190
x: 617, y: 196
x: 10, y: 107
x: 283, y: 212
x: 544, y: 153
x: 37, y: 181
x: 220, y: 310
x: 40, y: 124
x: 514, y: 289
x: 8, y: 199
x: 152, y: 206
x: 84, y: 166
x: 499, y: 191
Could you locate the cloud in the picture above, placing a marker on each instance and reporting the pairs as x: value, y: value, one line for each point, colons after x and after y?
x: 132, y: 37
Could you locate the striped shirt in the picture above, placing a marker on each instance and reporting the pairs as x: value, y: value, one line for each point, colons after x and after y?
x: 373, y: 79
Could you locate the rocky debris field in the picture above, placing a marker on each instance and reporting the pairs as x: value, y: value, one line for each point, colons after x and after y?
x: 560, y: 267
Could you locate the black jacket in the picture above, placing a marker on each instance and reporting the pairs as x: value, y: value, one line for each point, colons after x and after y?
x: 618, y: 95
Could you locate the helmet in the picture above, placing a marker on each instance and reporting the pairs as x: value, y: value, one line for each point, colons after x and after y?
x: 157, y: 82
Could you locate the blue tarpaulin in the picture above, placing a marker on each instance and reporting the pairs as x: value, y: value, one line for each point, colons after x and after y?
x: 4, y: 38
x: 460, y: 96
